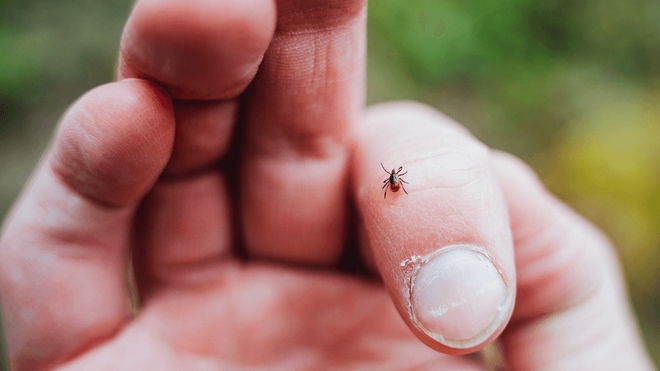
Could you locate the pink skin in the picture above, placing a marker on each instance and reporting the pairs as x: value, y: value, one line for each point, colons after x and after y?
x: 133, y: 171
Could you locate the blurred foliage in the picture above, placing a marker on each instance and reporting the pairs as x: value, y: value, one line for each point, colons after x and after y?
x: 54, y: 45
x: 50, y: 53
x: 608, y: 167
x: 572, y: 87
x: 516, y: 55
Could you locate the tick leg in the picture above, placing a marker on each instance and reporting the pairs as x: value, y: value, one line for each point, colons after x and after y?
x: 403, y: 181
x: 404, y: 190
x: 381, y: 165
x: 384, y: 185
x: 400, y: 168
x: 402, y: 174
x: 385, y: 195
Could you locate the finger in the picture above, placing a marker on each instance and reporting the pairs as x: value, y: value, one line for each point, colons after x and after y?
x: 200, y: 49
x: 204, y: 53
x: 444, y: 250
x: 62, y: 251
x: 183, y: 232
x: 308, y: 89
x: 571, y: 301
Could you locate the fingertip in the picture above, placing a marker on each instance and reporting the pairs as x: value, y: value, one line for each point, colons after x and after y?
x: 201, y: 49
x: 114, y: 141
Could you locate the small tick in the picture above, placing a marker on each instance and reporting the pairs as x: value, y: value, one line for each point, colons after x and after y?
x: 394, y: 181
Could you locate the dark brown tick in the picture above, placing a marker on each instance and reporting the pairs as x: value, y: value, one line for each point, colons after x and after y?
x: 394, y: 181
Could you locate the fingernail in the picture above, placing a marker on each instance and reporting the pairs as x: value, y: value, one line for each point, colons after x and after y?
x: 458, y: 297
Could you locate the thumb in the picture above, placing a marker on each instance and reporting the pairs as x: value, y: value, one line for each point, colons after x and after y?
x: 440, y: 239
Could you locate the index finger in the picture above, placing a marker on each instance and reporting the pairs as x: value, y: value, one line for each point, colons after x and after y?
x: 307, y: 91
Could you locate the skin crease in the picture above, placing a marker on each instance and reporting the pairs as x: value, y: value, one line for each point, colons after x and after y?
x: 133, y: 172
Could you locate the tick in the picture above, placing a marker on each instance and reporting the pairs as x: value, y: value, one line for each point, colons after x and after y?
x: 394, y: 181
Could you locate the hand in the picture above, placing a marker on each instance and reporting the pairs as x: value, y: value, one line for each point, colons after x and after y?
x: 142, y: 168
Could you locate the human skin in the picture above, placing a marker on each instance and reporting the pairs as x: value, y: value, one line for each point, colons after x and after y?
x: 236, y: 255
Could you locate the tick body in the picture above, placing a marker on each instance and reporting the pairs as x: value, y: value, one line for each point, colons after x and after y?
x: 394, y: 182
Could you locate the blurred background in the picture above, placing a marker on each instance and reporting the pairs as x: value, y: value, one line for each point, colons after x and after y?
x: 572, y: 87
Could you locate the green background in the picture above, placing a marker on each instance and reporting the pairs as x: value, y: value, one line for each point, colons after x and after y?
x: 572, y: 87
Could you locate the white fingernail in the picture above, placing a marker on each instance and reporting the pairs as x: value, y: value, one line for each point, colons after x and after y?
x: 458, y: 297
